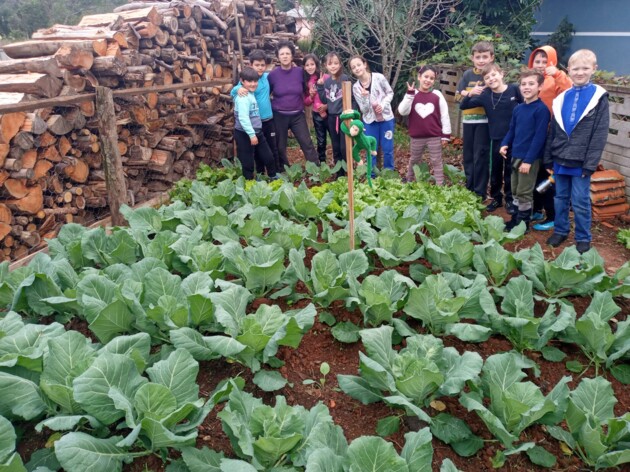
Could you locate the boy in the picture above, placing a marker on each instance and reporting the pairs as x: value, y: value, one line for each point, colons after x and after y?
x: 476, y: 138
x: 250, y: 140
x: 544, y: 60
x: 258, y: 60
x: 498, y: 100
x: 576, y: 141
x: 526, y: 138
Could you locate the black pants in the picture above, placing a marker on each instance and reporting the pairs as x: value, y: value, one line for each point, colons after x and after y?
x: 338, y: 140
x: 269, y: 130
x: 297, y: 124
x: 248, y: 153
x: 321, y: 128
x: 501, y: 176
x: 545, y: 200
x: 477, y: 157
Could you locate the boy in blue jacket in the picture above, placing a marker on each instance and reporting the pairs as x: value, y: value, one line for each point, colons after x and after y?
x: 250, y: 140
x: 578, y: 134
x: 526, y: 139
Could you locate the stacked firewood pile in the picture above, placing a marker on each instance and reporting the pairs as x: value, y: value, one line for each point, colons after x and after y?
x: 51, y: 168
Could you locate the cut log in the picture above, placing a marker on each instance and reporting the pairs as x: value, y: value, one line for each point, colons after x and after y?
x: 58, y: 125
x: 29, y: 158
x: 64, y: 33
x: 41, y: 169
x: 37, y: 84
x: 149, y: 14
x: 74, y: 169
x: 8, y: 98
x: 43, y: 65
x: 71, y: 57
x: 5, y: 229
x: 10, y: 124
x: 109, y: 65
x: 4, y: 152
x: 5, y: 214
x: 37, y: 48
x: 16, y: 188
x: 33, y: 123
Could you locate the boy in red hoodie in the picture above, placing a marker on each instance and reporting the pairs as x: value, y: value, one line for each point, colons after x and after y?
x: 545, y: 60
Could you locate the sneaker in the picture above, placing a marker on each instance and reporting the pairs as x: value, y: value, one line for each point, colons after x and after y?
x: 582, y: 246
x: 538, y: 216
x: 556, y: 239
x: 494, y: 204
x: 544, y: 226
x: 511, y: 209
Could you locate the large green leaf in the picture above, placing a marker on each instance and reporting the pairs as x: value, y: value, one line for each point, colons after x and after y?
x: 593, y: 399
x: 418, y: 450
x: 26, y: 348
x: 204, y: 348
x: 92, y: 387
x: 178, y: 373
x: 372, y: 454
x: 19, y: 398
x: 79, y: 452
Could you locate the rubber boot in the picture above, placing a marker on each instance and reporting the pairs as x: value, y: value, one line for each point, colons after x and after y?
x: 514, y: 221
x: 525, y: 216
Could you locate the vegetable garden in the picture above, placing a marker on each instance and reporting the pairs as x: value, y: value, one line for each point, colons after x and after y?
x: 235, y: 330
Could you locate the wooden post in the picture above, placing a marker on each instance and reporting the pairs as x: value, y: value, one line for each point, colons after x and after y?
x: 112, y: 165
x: 346, y: 90
x: 239, y: 39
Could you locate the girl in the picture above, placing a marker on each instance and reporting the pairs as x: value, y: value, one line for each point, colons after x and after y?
x: 429, y: 122
x: 329, y: 90
x: 312, y: 73
x: 499, y: 100
x: 286, y: 83
x: 374, y: 95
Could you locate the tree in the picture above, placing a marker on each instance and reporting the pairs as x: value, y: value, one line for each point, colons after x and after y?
x: 383, y: 31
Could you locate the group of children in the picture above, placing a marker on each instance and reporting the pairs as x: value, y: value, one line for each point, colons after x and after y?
x: 515, y: 136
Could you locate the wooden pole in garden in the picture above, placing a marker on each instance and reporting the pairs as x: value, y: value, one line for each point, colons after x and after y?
x: 112, y: 164
x: 346, y: 90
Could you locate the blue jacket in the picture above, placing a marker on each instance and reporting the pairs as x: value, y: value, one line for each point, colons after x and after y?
x: 528, y: 131
x: 262, y: 94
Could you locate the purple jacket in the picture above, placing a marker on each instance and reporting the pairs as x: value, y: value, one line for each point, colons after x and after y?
x: 287, y: 90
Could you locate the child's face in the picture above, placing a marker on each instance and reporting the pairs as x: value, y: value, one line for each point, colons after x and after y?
x: 481, y: 59
x: 310, y: 67
x: 259, y: 66
x: 333, y: 65
x: 250, y: 85
x: 529, y: 88
x: 357, y: 66
x: 580, y: 71
x: 426, y: 80
x: 494, y: 79
x: 540, y: 62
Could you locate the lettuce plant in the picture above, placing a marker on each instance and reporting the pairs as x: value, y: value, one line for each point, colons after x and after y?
x: 595, y: 434
x: 410, y: 378
x: 261, y: 268
x: 494, y: 261
x: 450, y: 252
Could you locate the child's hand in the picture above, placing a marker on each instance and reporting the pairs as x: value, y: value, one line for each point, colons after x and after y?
x: 551, y: 70
x: 378, y: 108
x: 253, y: 140
x: 503, y: 151
x: 320, y: 81
x: 410, y: 87
x: 242, y: 92
x: 313, y: 90
x: 524, y: 168
x: 476, y: 90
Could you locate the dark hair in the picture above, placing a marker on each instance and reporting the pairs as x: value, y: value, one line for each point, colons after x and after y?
x: 525, y: 73
x: 313, y: 58
x: 483, y: 46
x: 423, y: 68
x: 540, y: 52
x: 285, y: 44
x: 249, y: 74
x: 257, y: 55
x: 490, y: 67
x: 329, y: 56
x: 362, y: 59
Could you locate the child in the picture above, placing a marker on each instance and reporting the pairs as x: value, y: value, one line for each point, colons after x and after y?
x: 476, y: 138
x: 498, y: 100
x: 545, y: 59
x: 576, y: 141
x: 429, y: 122
x: 526, y: 138
x: 258, y: 61
x: 374, y: 95
x: 330, y: 93
x: 250, y: 140
x: 312, y: 73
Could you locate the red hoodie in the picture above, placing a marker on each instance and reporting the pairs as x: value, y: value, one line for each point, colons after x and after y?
x: 555, y: 84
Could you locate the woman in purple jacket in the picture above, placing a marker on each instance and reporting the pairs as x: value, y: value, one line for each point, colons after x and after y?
x: 286, y: 82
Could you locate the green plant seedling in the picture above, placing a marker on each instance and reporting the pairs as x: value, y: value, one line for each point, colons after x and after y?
x: 324, y: 369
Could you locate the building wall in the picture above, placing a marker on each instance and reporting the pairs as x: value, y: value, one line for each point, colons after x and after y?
x: 602, y: 26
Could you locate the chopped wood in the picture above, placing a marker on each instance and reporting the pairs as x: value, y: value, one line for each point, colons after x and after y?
x: 58, y: 125
x: 43, y: 65
x: 41, y: 85
x: 10, y: 124
x: 149, y: 14
x: 71, y: 57
x: 33, y: 123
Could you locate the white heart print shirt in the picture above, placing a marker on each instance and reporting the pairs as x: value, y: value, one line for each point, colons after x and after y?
x: 428, y: 114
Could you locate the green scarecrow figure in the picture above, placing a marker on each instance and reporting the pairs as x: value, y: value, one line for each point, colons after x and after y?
x: 360, y: 139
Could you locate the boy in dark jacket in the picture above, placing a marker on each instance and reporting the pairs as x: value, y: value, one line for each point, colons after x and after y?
x: 574, y: 148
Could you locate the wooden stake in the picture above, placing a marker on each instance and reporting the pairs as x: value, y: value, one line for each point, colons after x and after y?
x: 346, y: 90
x: 112, y: 164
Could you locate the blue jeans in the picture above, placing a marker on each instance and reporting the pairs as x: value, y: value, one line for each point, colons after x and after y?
x: 574, y: 190
x: 383, y: 131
